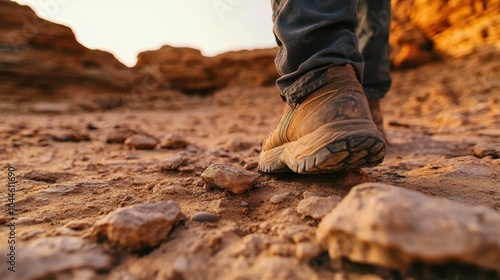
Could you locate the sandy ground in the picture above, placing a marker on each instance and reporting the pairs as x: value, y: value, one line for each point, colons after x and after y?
x: 434, y: 116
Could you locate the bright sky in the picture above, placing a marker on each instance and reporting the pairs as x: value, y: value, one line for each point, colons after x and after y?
x: 127, y: 27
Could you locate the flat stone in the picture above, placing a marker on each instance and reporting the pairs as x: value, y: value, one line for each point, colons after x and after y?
x: 317, y: 207
x: 119, y: 135
x: 231, y: 178
x: 46, y: 258
x: 47, y: 176
x: 205, y: 217
x: 139, y: 226
x: 278, y: 198
x: 173, y: 163
x: 78, y: 225
x: 25, y: 221
x: 393, y: 227
x: 173, y: 141
x: 141, y: 142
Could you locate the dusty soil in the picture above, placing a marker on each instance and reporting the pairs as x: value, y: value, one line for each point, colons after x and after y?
x: 434, y: 116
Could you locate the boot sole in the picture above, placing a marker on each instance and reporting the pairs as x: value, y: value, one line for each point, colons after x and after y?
x: 341, y: 145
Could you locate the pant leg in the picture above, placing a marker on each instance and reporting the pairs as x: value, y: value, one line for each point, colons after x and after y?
x: 313, y: 35
x: 373, y: 36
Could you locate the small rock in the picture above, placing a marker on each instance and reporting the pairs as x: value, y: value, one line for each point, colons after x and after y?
x: 141, y: 141
x: 72, y: 137
x: 131, y: 156
x: 47, y: 107
x: 244, y: 204
x: 91, y: 126
x: 48, y: 177
x: 139, y: 226
x: 278, y: 198
x: 317, y: 207
x: 486, y: 150
x: 173, y: 163
x: 238, y: 145
x: 308, y: 194
x: 119, y: 135
x: 228, y: 177
x: 25, y: 221
x: 3, y: 220
x: 205, y: 217
x: 374, y: 219
x: 46, y: 258
x: 173, y: 141
x: 187, y: 169
x: 78, y: 225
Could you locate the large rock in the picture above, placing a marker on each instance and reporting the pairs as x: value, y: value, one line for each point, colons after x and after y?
x: 40, y: 58
x: 231, y: 178
x: 139, y: 226
x: 393, y: 227
x: 187, y: 70
x: 448, y: 27
x: 48, y: 257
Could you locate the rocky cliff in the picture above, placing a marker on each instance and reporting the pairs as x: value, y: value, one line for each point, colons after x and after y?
x: 424, y: 29
x: 40, y: 58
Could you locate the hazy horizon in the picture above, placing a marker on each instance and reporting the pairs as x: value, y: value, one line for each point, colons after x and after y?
x: 213, y: 27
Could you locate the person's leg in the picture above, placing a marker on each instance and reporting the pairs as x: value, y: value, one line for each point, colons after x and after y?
x: 373, y: 36
x: 326, y: 125
x: 312, y: 36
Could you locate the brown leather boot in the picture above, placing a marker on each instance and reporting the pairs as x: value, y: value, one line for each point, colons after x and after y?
x: 330, y: 130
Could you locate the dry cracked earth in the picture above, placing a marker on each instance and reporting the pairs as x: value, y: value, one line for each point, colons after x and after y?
x: 126, y: 194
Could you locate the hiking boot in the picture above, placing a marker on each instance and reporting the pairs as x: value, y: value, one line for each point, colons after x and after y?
x: 377, y: 115
x: 331, y: 130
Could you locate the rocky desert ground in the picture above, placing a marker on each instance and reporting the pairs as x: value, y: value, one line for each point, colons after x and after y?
x: 150, y: 172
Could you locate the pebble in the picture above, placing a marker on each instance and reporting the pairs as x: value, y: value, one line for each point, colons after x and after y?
x: 278, y: 198
x: 25, y: 221
x: 317, y: 207
x: 119, y: 135
x: 231, y: 178
x: 46, y: 176
x: 308, y: 194
x: 173, y: 141
x: 131, y: 156
x: 74, y: 136
x: 78, y: 225
x: 3, y: 220
x: 141, y: 141
x: 173, y: 163
x: 205, y: 217
x: 244, y: 204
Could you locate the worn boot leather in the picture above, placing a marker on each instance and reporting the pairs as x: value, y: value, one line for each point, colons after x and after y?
x: 377, y: 115
x: 331, y: 130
